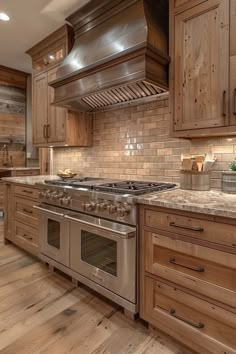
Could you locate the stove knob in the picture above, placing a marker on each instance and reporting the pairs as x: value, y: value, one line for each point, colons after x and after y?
x: 89, y: 206
x: 41, y: 194
x: 112, y: 209
x: 54, y: 196
x: 121, y: 212
x: 124, y: 210
x: 66, y: 200
x: 102, y: 207
x: 47, y: 194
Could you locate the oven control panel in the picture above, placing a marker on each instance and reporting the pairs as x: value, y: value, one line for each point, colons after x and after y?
x: 109, y: 207
x: 55, y: 197
x: 119, y: 210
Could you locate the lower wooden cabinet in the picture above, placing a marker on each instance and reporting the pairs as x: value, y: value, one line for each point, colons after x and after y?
x: 188, y: 285
x: 211, y: 327
x: 21, y: 221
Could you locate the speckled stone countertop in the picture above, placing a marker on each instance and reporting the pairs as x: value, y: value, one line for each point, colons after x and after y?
x: 210, y: 202
x: 31, y: 180
x: 18, y: 168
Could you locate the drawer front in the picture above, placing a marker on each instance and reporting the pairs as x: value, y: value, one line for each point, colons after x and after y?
x: 25, y: 191
x: 216, y: 233
x: 24, y: 211
x: 26, y: 237
x: 27, y: 233
x: 208, y: 325
x: 198, y: 268
x: 27, y: 172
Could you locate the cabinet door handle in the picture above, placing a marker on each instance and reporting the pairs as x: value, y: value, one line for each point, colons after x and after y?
x: 234, y: 111
x: 195, y: 269
x: 48, y: 131
x: 198, y: 325
x: 45, y: 131
x: 224, y: 103
x: 28, y: 211
x: 197, y: 229
x: 25, y: 191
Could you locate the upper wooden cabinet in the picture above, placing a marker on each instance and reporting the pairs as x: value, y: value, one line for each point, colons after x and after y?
x: 53, y: 126
x: 203, y: 67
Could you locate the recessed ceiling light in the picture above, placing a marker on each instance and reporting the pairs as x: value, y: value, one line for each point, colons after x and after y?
x: 4, y: 17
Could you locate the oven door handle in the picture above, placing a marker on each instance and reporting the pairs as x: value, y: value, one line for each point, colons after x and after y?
x: 123, y: 234
x: 48, y: 211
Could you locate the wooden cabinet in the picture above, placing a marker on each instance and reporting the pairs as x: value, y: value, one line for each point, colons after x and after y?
x: 203, y: 67
x: 188, y: 273
x: 21, y: 220
x: 40, y: 108
x: 54, y: 126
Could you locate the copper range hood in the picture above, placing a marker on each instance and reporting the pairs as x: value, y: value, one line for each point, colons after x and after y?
x: 120, y: 54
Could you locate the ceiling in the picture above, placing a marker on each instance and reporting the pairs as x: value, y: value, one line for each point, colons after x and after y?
x: 30, y: 22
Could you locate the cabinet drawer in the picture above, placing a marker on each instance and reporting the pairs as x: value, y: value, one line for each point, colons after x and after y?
x: 27, y: 233
x: 198, y: 268
x: 26, y: 173
x: 26, y: 237
x: 24, y: 211
x: 25, y: 191
x: 207, y: 325
x: 204, y: 230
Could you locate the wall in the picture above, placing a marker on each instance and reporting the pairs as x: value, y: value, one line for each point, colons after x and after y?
x: 12, y: 114
x: 134, y: 143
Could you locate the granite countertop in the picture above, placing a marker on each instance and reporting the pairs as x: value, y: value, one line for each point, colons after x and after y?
x: 211, y: 202
x: 18, y: 168
x: 31, y: 180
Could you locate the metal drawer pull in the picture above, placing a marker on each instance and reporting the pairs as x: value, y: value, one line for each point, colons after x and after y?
x: 45, y: 131
x: 28, y: 211
x: 224, y: 103
x: 198, y: 325
x: 29, y: 192
x: 234, y: 112
x: 27, y: 237
x: 197, y: 229
x: 197, y: 269
x: 48, y: 131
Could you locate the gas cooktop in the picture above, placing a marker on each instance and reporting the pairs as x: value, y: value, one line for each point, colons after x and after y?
x: 133, y: 187
x: 117, y: 187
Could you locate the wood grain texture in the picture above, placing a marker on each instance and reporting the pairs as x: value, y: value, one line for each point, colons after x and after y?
x: 42, y: 312
x: 199, y: 279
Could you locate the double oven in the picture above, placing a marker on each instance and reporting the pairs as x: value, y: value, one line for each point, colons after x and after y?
x: 98, y: 252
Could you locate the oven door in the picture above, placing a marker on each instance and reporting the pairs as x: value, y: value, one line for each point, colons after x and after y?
x: 53, y: 233
x: 104, y: 252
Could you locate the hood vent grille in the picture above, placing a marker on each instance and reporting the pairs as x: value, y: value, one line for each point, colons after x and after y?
x: 122, y: 94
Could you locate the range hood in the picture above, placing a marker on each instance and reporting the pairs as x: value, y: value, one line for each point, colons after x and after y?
x: 120, y: 54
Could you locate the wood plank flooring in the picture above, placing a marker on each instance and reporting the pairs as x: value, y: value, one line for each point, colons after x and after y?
x: 42, y: 312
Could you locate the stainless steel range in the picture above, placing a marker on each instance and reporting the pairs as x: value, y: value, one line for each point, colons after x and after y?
x: 88, y: 229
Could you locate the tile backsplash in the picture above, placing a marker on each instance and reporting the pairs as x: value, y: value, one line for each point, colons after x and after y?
x: 134, y: 143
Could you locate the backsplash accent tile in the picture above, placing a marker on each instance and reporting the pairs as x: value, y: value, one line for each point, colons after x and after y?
x: 134, y: 143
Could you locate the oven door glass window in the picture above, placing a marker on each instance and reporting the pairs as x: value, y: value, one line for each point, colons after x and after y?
x: 53, y: 235
x: 100, y: 252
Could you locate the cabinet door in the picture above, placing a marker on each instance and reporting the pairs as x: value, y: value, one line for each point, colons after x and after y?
x: 201, y: 66
x: 56, y: 116
x: 232, y: 62
x: 40, y: 108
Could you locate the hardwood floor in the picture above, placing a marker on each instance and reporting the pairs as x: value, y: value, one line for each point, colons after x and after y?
x: 42, y: 312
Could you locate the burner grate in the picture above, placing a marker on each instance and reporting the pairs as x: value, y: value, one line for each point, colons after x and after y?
x: 133, y: 187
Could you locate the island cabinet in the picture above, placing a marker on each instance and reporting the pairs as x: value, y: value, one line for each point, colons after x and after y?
x: 54, y: 126
x: 203, y: 67
x: 21, y: 220
x: 188, y: 277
